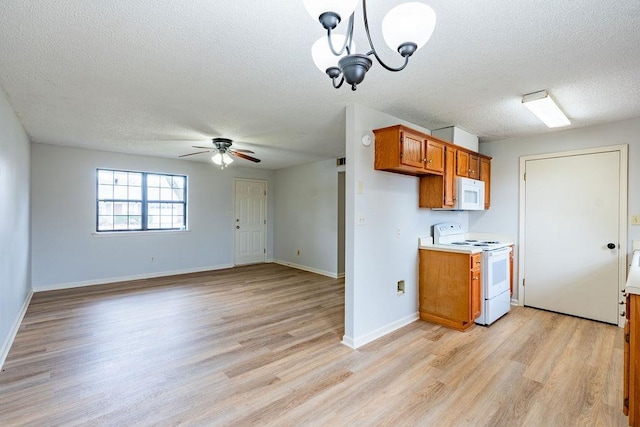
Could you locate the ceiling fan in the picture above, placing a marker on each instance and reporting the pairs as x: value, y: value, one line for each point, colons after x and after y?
x: 223, y: 152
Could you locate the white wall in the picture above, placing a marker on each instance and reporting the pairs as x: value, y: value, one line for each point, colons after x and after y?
x: 375, y: 258
x: 66, y: 252
x: 503, y: 215
x: 306, y: 208
x: 15, y: 281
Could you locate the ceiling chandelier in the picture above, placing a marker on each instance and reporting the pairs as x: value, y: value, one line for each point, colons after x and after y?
x: 405, y: 28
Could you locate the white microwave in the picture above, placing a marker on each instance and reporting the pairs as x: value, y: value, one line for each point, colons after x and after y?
x: 469, y: 195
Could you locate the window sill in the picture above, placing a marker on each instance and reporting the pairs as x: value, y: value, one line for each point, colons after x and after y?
x: 136, y: 233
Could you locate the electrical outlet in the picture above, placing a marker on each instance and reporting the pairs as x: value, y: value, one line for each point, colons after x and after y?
x: 153, y: 258
x: 398, y: 232
x: 360, y: 219
x: 400, y: 287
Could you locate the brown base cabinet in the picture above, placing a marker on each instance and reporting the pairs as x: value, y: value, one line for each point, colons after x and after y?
x: 450, y: 288
x: 632, y: 361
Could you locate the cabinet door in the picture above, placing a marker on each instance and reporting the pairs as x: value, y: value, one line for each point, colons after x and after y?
x: 474, y: 166
x: 475, y: 283
x: 476, y: 294
x: 449, y: 176
x: 625, y: 383
x: 462, y: 163
x: 412, y: 150
x: 485, y: 176
x: 511, y: 272
x: 435, y: 156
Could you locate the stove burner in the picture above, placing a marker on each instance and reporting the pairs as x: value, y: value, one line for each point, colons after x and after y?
x: 459, y: 243
x: 481, y: 244
x: 471, y: 240
x: 492, y: 242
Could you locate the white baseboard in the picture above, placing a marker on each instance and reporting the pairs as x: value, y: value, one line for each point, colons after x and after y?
x: 309, y: 269
x: 6, y: 346
x: 59, y: 286
x: 380, y: 332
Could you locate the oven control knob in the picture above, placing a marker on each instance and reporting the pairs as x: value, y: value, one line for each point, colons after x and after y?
x: 611, y: 245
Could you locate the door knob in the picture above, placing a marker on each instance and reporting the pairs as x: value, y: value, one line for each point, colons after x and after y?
x: 611, y: 245
x: 237, y: 227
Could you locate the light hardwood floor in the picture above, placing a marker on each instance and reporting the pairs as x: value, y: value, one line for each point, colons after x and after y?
x: 260, y: 345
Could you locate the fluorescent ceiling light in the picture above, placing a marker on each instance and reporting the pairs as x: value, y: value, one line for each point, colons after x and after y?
x: 541, y: 104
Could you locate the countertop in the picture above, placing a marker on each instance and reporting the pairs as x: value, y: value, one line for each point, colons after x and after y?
x: 426, y: 243
x: 633, y: 279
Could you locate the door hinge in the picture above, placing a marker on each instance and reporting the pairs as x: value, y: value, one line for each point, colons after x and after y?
x: 525, y: 176
x: 523, y: 283
x: 626, y: 402
x: 265, y: 222
x: 627, y: 337
x: 264, y: 251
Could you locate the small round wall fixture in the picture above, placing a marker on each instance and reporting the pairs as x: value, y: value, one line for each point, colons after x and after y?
x: 366, y: 140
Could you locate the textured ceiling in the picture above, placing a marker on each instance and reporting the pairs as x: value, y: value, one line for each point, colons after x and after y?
x: 155, y: 77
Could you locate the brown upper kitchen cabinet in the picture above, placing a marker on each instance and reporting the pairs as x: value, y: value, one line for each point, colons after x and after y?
x: 438, y: 191
x: 485, y: 176
x: 467, y: 164
x: 406, y: 151
x: 462, y: 163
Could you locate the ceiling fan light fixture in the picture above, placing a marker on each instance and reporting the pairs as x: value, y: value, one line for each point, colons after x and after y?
x: 217, y: 159
x: 543, y: 106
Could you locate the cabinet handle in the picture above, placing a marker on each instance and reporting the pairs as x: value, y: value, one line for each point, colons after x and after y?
x: 622, y: 314
x: 475, y: 278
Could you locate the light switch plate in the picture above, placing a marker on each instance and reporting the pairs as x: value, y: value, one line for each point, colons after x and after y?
x: 635, y: 220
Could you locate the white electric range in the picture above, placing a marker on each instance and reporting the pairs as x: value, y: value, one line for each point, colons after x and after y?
x: 496, y: 270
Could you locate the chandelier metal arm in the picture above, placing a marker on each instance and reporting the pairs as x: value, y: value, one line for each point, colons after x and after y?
x: 337, y: 86
x: 406, y: 50
x: 347, y: 40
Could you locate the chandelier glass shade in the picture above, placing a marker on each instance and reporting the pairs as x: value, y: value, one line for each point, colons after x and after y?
x: 406, y: 28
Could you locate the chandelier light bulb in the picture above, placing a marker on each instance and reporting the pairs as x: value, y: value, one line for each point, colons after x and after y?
x: 217, y: 159
x: 411, y: 22
x: 322, y: 55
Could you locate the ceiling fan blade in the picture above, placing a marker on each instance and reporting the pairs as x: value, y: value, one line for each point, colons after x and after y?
x: 197, y: 152
x: 241, y: 150
x: 203, y: 148
x: 244, y: 156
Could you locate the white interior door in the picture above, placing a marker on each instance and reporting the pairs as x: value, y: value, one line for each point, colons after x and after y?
x: 251, y: 221
x: 572, y: 212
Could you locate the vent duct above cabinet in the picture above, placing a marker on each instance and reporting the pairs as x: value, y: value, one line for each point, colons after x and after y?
x: 457, y: 136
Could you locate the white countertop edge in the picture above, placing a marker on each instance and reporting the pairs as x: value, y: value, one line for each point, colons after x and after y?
x: 633, y: 279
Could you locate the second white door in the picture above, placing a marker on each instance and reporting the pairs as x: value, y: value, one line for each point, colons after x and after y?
x: 572, y: 222
x: 251, y: 221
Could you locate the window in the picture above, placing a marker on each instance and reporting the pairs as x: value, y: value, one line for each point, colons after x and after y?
x: 140, y: 201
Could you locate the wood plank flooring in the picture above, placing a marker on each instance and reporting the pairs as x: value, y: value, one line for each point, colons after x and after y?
x: 260, y: 345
